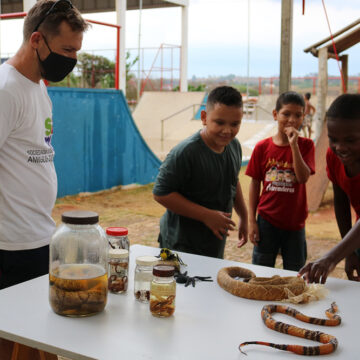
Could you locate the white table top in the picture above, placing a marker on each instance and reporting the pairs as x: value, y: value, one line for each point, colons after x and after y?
x: 209, y: 323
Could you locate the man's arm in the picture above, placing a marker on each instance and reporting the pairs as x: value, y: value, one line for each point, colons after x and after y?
x: 343, y: 218
x: 254, y: 194
x: 217, y: 221
x: 241, y: 210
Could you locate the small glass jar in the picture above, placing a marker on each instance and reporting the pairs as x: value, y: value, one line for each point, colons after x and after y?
x: 78, y: 283
x: 118, y: 267
x: 118, y: 237
x: 143, y: 277
x: 163, y: 291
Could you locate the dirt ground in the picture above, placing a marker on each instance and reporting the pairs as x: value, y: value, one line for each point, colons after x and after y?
x: 135, y: 209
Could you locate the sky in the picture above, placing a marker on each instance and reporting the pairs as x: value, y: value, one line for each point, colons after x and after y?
x: 218, y: 36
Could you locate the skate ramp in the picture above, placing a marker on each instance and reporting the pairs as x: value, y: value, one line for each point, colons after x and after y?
x: 97, y: 144
x: 180, y: 111
x: 317, y: 183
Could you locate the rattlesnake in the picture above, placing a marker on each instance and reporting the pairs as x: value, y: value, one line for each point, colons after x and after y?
x: 274, y: 288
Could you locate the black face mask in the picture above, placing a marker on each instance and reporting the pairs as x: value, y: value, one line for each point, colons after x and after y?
x: 55, y: 67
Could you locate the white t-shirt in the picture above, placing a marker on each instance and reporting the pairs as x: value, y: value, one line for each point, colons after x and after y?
x: 28, y: 183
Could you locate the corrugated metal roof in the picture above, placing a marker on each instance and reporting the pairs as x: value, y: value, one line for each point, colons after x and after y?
x: 91, y: 6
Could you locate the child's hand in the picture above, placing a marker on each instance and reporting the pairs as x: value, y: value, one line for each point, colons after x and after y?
x: 243, y: 233
x: 219, y: 223
x: 254, y: 232
x: 352, y: 264
x: 317, y: 271
x: 292, y: 135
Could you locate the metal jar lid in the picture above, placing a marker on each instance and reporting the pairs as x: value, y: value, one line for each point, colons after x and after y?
x: 164, y: 270
x: 80, y: 217
x: 118, y: 253
x: 147, y: 260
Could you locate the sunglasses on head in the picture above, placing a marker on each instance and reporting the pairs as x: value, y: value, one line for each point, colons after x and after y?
x: 58, y: 6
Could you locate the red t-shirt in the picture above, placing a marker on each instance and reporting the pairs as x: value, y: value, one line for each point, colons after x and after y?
x: 283, y: 200
x: 337, y: 175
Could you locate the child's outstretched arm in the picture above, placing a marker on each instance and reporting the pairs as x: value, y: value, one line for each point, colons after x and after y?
x: 302, y: 170
x: 254, y: 193
x: 241, y: 210
x: 217, y: 221
x: 343, y: 219
x: 319, y: 270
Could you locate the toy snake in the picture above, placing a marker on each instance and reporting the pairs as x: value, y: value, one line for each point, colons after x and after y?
x: 329, y: 342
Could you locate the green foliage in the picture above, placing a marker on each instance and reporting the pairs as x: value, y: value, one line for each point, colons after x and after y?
x: 200, y: 87
x: 95, y: 71
x: 242, y: 89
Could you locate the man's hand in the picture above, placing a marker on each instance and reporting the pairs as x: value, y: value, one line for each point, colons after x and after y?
x: 317, y: 271
x: 219, y: 223
x: 254, y: 232
x: 352, y: 264
x: 292, y: 135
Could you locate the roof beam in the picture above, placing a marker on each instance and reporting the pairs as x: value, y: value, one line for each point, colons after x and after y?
x: 178, y: 2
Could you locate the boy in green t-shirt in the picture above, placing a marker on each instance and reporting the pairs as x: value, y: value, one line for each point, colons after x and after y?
x: 198, y: 182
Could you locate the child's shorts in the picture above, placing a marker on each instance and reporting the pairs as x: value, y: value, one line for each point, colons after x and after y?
x: 291, y: 244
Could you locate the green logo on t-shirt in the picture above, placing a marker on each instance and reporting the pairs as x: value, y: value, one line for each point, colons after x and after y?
x: 48, y: 127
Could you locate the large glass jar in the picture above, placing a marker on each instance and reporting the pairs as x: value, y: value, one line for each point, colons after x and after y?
x: 78, y: 265
x: 163, y: 291
x: 143, y: 277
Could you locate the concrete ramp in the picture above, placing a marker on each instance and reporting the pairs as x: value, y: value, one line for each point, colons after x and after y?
x: 317, y: 184
x: 179, y: 110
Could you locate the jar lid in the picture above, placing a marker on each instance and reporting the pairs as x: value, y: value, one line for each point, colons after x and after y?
x: 80, y: 217
x: 164, y: 270
x: 117, y: 231
x: 146, y: 260
x: 118, y: 253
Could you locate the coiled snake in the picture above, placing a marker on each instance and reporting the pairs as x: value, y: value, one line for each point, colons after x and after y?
x: 329, y: 341
x: 258, y: 288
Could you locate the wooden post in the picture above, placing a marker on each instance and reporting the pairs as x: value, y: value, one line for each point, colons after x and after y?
x: 344, y: 67
x: 322, y: 88
x: 286, y: 45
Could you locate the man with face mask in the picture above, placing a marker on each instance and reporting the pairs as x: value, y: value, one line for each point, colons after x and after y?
x: 52, y: 36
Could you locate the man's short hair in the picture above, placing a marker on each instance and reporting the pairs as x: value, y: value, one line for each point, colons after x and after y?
x: 307, y: 96
x: 289, y: 97
x: 225, y: 95
x: 51, y: 23
x: 346, y: 106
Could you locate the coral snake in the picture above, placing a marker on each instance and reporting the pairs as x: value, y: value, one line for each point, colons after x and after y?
x: 329, y: 342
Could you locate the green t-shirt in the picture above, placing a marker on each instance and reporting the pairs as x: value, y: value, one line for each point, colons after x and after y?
x: 204, y: 177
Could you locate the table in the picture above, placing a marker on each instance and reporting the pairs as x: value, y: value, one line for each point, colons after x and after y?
x: 209, y: 323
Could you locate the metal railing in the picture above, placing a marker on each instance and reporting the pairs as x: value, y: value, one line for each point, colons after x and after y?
x: 162, y: 121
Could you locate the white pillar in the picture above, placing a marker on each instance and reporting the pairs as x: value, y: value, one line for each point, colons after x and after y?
x: 184, y: 48
x: 120, y: 7
x: 28, y: 4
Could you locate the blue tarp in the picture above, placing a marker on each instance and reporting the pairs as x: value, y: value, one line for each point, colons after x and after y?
x: 97, y: 144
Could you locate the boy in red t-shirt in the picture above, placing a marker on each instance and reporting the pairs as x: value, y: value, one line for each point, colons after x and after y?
x: 282, y: 164
x: 343, y: 168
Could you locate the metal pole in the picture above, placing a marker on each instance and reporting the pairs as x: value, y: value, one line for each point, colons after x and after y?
x: 162, y: 135
x: 0, y: 31
x: 286, y: 45
x: 248, y: 54
x: 139, y: 43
